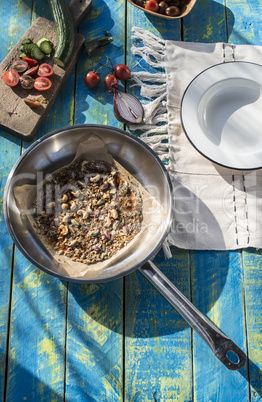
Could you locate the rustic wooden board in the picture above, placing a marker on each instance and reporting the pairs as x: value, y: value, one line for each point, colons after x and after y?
x: 25, y: 122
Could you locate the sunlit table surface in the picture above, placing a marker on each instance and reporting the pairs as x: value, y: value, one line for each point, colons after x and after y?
x: 121, y: 340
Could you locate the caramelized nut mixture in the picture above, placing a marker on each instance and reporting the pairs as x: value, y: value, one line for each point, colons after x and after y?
x: 88, y: 211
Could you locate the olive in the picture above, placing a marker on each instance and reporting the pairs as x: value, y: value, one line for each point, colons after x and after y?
x: 162, y: 7
x: 175, y: 3
x: 172, y: 11
x: 140, y: 3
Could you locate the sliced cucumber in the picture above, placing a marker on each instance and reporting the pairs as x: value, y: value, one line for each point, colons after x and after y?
x: 31, y: 49
x: 26, y: 41
x: 45, y: 45
x: 37, y: 53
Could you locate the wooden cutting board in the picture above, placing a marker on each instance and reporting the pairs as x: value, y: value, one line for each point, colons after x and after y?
x: 16, y: 117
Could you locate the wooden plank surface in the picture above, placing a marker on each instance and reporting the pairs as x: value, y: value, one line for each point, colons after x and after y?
x: 121, y: 341
x: 252, y: 264
x: 158, y: 362
x: 217, y: 290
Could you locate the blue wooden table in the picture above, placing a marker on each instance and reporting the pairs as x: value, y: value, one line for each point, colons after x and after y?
x: 121, y: 341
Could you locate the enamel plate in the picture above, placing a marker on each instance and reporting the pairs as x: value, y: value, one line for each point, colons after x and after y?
x: 221, y: 113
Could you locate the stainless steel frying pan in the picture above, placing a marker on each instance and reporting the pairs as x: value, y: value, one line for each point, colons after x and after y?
x: 58, y: 149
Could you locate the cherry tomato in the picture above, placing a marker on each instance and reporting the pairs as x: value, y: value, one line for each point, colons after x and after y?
x: 35, y: 101
x: 31, y: 62
x: 110, y: 80
x: 152, y: 5
x: 122, y: 72
x: 31, y: 103
x: 20, y: 66
x: 42, y: 83
x: 26, y: 81
x: 11, y: 78
x: 32, y: 71
x: 173, y: 11
x: 92, y: 79
x: 45, y: 70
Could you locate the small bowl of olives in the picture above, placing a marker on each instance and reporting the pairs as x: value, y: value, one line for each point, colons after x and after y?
x: 165, y: 8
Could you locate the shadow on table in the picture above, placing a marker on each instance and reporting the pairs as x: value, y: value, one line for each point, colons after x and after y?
x: 22, y: 385
x: 254, y: 377
x: 195, y: 26
x: 148, y: 315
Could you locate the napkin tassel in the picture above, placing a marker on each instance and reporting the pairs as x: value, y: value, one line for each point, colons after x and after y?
x: 153, y: 88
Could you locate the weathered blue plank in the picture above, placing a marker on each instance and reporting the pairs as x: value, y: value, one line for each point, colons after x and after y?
x: 158, y: 364
x: 38, y: 320
x: 158, y: 340
x: 252, y: 266
x: 94, y: 368
x: 95, y: 313
x: 217, y: 291
x: 11, y: 29
x: 96, y: 105
x: 37, y: 335
x: 206, y: 22
x: 246, y: 28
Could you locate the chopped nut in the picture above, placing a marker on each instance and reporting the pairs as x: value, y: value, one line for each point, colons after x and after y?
x: 94, y: 222
x: 95, y: 179
x: 73, y: 206
x: 64, y: 198
x: 83, y: 213
x: 114, y: 213
x: 63, y: 230
x: 107, y: 222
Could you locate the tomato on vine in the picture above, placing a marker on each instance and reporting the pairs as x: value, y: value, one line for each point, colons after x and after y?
x: 92, y: 79
x: 109, y: 80
x: 122, y: 72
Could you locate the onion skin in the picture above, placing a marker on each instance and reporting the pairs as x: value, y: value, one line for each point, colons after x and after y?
x: 127, y: 108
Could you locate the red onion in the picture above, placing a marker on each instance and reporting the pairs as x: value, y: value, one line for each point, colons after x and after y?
x: 127, y: 108
x: 106, y: 235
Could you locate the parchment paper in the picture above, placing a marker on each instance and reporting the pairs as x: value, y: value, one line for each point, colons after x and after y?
x: 93, y: 148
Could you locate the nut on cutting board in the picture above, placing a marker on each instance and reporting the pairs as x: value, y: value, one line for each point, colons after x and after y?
x: 16, y: 117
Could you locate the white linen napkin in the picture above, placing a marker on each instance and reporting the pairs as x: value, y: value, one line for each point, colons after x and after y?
x: 215, y: 208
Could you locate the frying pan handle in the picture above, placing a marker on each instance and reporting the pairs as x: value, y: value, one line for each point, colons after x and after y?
x: 222, y: 347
